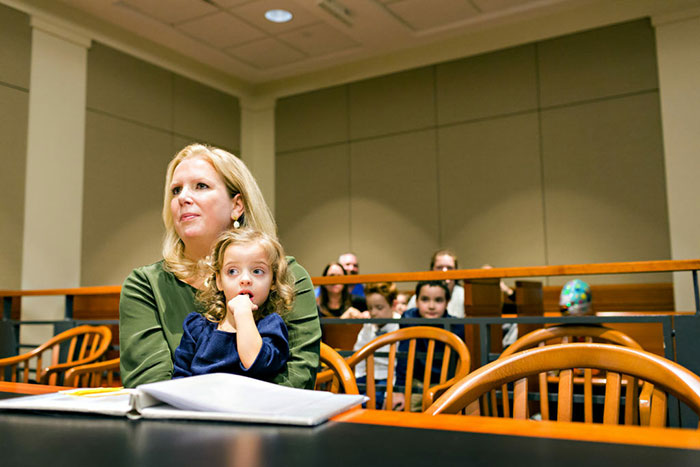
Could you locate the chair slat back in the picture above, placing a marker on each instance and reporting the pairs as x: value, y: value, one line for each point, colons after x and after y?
x: 93, y: 375
x: 665, y: 375
x: 95, y: 342
x: 568, y: 334
x: 338, y: 375
x: 453, y: 349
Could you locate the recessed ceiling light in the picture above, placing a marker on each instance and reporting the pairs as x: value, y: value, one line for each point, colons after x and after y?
x: 278, y: 16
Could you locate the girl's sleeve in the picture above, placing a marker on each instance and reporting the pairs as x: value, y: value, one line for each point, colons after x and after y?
x: 144, y: 352
x: 274, y: 352
x: 184, y: 354
x: 304, y: 330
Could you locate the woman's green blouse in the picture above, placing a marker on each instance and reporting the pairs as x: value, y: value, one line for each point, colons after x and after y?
x: 153, y: 306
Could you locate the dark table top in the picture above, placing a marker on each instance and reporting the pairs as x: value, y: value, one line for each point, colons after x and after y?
x: 85, y: 440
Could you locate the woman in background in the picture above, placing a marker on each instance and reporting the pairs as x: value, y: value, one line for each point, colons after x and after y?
x: 335, y: 300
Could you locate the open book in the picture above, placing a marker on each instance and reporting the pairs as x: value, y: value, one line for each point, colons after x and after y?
x: 217, y: 396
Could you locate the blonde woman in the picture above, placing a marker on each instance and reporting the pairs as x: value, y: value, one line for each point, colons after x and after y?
x: 207, y: 191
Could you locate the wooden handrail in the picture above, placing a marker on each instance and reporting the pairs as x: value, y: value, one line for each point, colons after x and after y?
x: 532, y: 271
x: 97, y: 290
x: 529, y: 271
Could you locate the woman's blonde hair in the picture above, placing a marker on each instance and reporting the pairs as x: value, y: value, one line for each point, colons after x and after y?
x: 237, y: 179
x: 281, y: 291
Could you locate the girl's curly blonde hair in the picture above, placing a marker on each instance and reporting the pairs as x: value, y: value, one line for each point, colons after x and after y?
x: 281, y: 294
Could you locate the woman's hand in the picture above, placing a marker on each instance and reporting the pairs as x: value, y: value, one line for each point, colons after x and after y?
x: 354, y: 313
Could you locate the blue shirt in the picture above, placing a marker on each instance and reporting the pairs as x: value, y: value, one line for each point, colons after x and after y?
x: 422, y: 347
x: 203, y: 349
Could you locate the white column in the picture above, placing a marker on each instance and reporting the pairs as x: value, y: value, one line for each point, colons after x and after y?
x: 54, y: 181
x: 678, y: 51
x: 258, y: 143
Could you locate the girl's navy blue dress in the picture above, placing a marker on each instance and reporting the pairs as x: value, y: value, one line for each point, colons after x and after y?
x: 203, y: 349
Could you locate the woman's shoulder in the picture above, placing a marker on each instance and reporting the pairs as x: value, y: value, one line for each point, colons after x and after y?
x: 149, y: 270
x: 295, y: 268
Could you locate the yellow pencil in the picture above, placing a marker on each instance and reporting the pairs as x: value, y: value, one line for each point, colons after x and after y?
x: 93, y: 391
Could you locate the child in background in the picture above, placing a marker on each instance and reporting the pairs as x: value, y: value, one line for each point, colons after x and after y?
x: 401, y: 302
x: 379, y: 298
x: 241, y: 330
x: 432, y: 299
x: 575, y: 298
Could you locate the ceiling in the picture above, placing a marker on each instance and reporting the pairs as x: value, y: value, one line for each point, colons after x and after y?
x: 233, y: 36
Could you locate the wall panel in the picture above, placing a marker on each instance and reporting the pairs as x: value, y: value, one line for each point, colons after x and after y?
x: 123, y: 197
x: 13, y: 159
x: 394, y: 201
x: 124, y: 86
x: 15, y: 48
x: 497, y: 83
x: 394, y: 103
x: 15, y: 56
x: 604, y: 62
x: 604, y: 182
x: 313, y: 204
x: 491, y: 191
x: 313, y: 119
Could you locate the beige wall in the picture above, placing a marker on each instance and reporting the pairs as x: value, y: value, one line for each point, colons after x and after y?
x: 487, y: 150
x: 679, y: 75
x: 546, y: 153
x: 15, y: 52
x: 139, y: 115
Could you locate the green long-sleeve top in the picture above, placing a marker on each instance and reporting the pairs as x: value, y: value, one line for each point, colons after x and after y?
x: 153, y: 306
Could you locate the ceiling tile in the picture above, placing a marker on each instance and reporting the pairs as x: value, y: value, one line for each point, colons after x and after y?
x: 254, y: 13
x: 318, y: 39
x: 172, y: 11
x: 230, y: 3
x: 488, y: 6
x: 221, y: 30
x: 267, y: 53
x: 420, y: 15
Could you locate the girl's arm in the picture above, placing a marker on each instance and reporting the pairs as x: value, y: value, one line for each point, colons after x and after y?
x: 248, y: 338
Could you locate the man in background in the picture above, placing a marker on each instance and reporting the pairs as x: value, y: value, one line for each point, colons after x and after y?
x: 352, y: 267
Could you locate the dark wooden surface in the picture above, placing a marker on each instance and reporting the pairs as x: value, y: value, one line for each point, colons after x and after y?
x: 83, y: 440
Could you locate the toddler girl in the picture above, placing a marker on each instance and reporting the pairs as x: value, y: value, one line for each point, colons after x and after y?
x: 241, y: 329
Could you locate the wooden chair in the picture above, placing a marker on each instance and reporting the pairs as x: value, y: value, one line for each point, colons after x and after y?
x: 94, y: 375
x: 337, y: 373
x: 452, y: 345
x: 665, y: 375
x: 568, y: 334
x: 76, y: 346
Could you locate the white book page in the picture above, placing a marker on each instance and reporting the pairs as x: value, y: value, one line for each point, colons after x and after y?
x: 255, y: 400
x: 107, y: 403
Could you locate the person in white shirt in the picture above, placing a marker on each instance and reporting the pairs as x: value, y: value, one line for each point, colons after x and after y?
x: 380, y: 298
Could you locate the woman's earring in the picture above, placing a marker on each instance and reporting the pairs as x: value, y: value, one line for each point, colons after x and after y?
x: 236, y: 224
